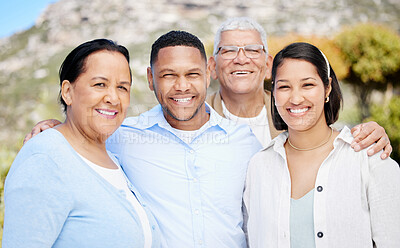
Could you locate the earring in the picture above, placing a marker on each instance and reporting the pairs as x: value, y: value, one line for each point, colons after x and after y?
x: 327, y: 99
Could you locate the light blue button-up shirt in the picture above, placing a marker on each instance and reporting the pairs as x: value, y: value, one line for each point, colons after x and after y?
x: 194, y: 190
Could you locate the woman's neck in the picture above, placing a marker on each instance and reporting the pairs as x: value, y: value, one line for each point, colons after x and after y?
x: 310, y: 139
x: 92, y: 148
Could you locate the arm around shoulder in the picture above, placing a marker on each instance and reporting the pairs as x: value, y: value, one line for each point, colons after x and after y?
x: 384, y: 201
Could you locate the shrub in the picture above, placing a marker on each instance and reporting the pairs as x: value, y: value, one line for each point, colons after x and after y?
x: 388, y: 116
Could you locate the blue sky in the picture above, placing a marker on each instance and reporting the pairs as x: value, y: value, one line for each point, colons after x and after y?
x: 18, y: 15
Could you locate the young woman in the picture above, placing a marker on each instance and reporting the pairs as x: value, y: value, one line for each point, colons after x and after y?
x: 309, y: 188
x: 64, y: 189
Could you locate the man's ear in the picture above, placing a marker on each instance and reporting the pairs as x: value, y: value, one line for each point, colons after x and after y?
x: 150, y: 78
x: 269, y: 67
x: 211, y: 65
x: 208, y: 72
x: 66, y: 92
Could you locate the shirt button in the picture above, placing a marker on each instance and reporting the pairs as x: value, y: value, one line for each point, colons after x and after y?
x: 191, y: 151
x: 196, y: 212
x: 319, y: 188
x: 320, y: 234
x: 200, y: 242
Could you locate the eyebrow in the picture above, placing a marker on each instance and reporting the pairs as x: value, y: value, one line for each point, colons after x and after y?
x: 195, y: 70
x: 301, y: 80
x: 124, y: 82
x: 173, y: 71
x: 106, y: 79
x: 308, y: 78
x: 166, y: 70
x: 100, y: 77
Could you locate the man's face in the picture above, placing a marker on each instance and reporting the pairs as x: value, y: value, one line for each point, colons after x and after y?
x: 241, y: 75
x: 179, y: 79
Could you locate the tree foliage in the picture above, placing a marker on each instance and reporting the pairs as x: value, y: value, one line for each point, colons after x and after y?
x: 372, y: 53
x: 388, y: 116
x: 7, y: 155
x: 326, y: 45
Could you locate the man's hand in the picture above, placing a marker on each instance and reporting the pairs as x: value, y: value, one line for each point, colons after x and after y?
x: 366, y: 134
x: 41, y: 126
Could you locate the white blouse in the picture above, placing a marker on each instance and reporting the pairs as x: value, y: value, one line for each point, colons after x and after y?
x: 356, y: 199
x: 117, y: 179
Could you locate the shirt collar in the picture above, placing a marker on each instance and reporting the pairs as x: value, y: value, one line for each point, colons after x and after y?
x: 155, y: 116
x: 344, y: 135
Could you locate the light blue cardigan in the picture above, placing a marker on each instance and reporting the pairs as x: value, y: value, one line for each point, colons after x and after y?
x: 54, y: 199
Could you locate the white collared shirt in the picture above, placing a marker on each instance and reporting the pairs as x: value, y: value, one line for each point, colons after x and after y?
x: 356, y: 201
x: 259, y: 124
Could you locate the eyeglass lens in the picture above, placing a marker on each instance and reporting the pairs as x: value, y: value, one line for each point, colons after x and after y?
x: 250, y: 51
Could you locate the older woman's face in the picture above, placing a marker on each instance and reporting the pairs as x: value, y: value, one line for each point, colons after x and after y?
x: 98, y: 99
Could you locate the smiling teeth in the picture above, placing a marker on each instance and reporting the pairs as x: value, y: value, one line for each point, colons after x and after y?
x: 298, y: 111
x: 241, y: 72
x: 182, y: 99
x: 106, y: 112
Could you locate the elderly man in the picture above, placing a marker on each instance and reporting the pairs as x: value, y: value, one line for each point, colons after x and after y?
x: 241, y: 63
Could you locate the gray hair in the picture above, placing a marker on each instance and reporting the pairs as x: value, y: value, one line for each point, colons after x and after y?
x: 240, y: 23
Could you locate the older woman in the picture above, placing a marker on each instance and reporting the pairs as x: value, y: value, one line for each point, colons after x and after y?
x: 64, y: 189
x: 309, y: 188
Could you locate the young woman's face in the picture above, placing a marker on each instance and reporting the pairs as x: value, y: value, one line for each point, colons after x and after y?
x: 300, y: 94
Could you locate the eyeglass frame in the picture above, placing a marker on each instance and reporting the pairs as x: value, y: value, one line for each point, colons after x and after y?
x: 238, y: 50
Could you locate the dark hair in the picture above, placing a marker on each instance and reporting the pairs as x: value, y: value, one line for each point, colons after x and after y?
x: 74, y: 64
x: 176, y: 38
x: 309, y: 53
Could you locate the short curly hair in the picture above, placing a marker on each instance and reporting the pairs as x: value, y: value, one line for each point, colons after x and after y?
x: 176, y: 38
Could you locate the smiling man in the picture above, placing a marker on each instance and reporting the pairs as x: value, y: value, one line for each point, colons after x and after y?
x: 240, y: 63
x: 180, y: 84
x: 188, y: 163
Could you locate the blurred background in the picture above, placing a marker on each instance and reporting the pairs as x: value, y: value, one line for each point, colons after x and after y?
x: 360, y: 38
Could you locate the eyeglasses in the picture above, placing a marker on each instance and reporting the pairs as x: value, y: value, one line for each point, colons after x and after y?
x: 250, y: 51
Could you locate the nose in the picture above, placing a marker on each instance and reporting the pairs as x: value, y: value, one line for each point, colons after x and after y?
x: 241, y: 57
x: 111, y: 96
x: 296, y: 97
x: 182, y: 84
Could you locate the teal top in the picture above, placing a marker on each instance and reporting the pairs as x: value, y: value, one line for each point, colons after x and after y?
x: 302, y: 221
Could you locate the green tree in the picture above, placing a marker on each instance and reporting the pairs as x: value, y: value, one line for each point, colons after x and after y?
x: 373, y: 55
x: 388, y: 116
x: 7, y: 155
x: 329, y: 48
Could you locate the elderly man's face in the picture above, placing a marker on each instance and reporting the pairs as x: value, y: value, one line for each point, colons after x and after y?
x: 240, y: 75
